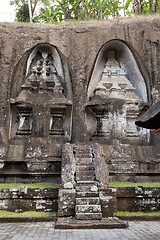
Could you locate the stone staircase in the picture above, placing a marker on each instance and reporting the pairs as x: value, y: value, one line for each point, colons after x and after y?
x: 87, y: 195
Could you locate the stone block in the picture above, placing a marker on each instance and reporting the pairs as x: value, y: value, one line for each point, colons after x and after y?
x: 88, y: 187
x: 138, y: 198
x: 85, y: 176
x: 88, y: 216
x: 101, y: 168
x: 68, y: 166
x: 85, y: 167
x: 108, y: 201
x: 66, y: 202
x: 16, y: 153
x: 87, y: 201
x: 87, y: 194
x: 88, y: 209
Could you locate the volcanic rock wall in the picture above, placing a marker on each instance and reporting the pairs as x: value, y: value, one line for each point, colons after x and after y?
x: 38, y: 115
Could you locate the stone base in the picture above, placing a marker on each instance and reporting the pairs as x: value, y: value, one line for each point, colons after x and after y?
x: 105, y: 223
x: 88, y: 216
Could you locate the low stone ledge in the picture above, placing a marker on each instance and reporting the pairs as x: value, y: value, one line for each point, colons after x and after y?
x: 28, y: 219
x: 104, y: 223
x: 138, y: 191
x: 138, y: 198
x: 140, y: 218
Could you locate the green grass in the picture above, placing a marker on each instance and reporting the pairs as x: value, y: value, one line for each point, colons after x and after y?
x: 138, y: 213
x: 131, y: 184
x: 31, y: 185
x: 6, y: 214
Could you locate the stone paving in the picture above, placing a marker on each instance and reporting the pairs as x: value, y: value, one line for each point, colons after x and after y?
x: 45, y: 231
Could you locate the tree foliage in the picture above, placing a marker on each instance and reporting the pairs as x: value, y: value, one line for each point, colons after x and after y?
x: 22, y: 6
x: 79, y: 10
x: 64, y: 10
x: 22, y: 15
x: 142, y: 6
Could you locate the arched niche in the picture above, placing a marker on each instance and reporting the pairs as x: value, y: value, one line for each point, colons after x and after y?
x: 117, y: 94
x: 41, y: 94
x: 127, y: 61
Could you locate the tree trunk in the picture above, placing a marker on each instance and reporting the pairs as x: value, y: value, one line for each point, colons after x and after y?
x: 150, y: 6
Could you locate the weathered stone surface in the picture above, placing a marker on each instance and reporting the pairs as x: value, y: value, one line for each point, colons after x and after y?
x: 86, y: 187
x: 68, y: 165
x: 87, y: 201
x: 101, y: 168
x: 22, y: 199
x: 132, y: 163
x: 88, y: 216
x: 104, y: 223
x: 108, y: 201
x: 66, y: 202
x: 36, y: 193
x: 88, y: 208
x: 87, y: 194
x: 77, y: 63
x: 138, y: 199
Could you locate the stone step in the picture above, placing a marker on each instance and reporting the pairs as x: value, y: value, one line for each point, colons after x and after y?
x: 87, y: 201
x: 84, y: 173
x: 83, y: 155
x: 84, y: 187
x: 88, y: 208
x: 87, y: 183
x: 86, y: 194
x: 84, y: 161
x: 88, y: 216
x: 82, y: 151
x: 83, y: 147
x: 85, y: 167
x: 85, y: 177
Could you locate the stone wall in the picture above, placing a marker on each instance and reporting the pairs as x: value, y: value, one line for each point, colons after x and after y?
x: 23, y: 199
x: 39, y: 115
x: 130, y: 199
x: 133, y: 199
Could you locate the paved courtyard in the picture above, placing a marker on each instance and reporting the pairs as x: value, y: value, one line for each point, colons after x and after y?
x: 45, y: 231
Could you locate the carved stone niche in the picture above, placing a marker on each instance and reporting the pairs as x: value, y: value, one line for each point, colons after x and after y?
x: 46, y: 88
x: 56, y: 121
x: 21, y: 120
x: 117, y: 95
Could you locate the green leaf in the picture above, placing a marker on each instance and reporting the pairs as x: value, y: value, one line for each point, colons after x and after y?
x: 127, y: 4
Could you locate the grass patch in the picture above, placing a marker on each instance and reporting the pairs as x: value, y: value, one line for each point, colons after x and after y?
x: 31, y: 185
x: 131, y: 184
x: 138, y: 213
x: 28, y: 214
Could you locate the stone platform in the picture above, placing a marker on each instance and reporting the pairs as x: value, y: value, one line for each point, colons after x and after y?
x: 105, y: 223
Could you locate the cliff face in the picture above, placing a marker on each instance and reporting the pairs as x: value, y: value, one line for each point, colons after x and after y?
x: 79, y: 45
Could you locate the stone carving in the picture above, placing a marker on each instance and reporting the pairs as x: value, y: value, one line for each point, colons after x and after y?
x: 45, y: 92
x: 56, y: 121
x: 25, y: 121
x: 118, y: 106
x: 114, y: 83
x: 43, y: 76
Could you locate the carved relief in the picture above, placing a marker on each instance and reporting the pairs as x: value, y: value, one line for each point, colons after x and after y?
x: 56, y: 122
x: 44, y: 92
x: 113, y: 83
x: 43, y: 76
x: 115, y: 104
x: 25, y: 121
